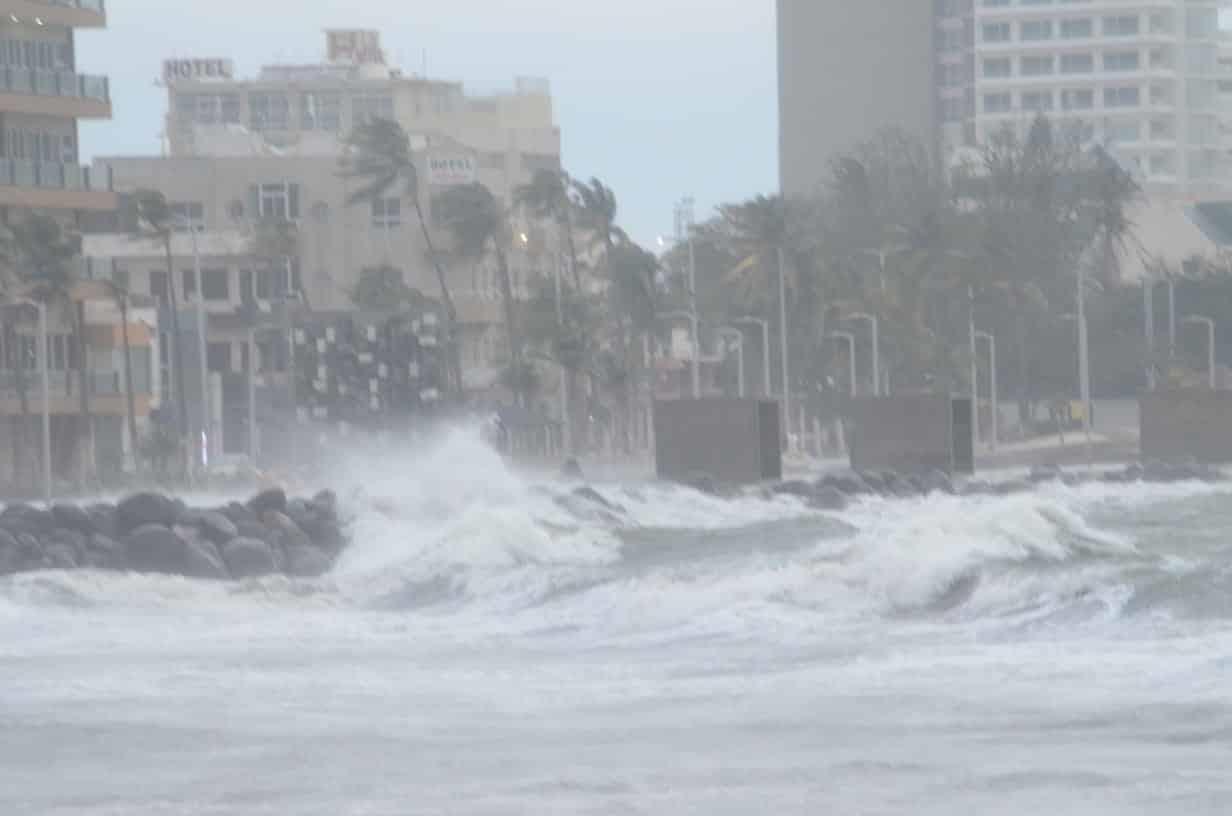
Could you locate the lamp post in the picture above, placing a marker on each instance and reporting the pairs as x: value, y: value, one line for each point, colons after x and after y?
x: 850, y: 340
x: 882, y: 254
x: 992, y: 380
x: 765, y: 348
x: 697, y: 376
x: 202, y: 345
x: 783, y: 338
x: 738, y: 337
x: 43, y: 352
x: 681, y: 314
x: 1196, y: 320
x: 875, y: 329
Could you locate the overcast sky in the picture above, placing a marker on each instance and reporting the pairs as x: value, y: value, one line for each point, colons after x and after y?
x: 659, y: 98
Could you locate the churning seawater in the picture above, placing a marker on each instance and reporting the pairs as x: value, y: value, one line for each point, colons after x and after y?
x: 487, y: 647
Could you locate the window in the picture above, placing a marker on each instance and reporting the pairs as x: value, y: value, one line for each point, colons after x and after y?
x: 187, y: 215
x: 270, y: 111
x: 158, y: 285
x: 1035, y: 30
x: 953, y: 110
x: 1077, y: 63
x: 997, y: 67
x: 1121, y: 61
x: 366, y: 108
x: 1037, y: 101
x: 1121, y: 97
x: 1077, y: 29
x: 321, y: 110
x: 386, y: 212
x: 278, y: 281
x: 218, y: 357
x: 279, y: 200
x: 997, y: 103
x: 996, y: 32
x: 1122, y: 26
x: 216, y: 284
x: 1124, y: 131
x: 1078, y: 99
x: 188, y: 278
x: 1037, y: 66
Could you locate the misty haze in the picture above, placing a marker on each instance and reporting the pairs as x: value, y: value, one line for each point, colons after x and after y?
x: 731, y: 407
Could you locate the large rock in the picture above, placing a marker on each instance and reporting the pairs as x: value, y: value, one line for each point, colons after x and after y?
x: 145, y: 509
x: 103, y: 552
x: 72, y: 517
x: 213, y: 525
x: 801, y: 490
x: 10, y: 553
x: 103, y: 520
x: 22, y: 518
x: 1044, y: 473
x: 31, y: 550
x: 326, y: 503
x: 274, y: 499
x: 938, y: 482
x: 249, y: 558
x: 60, y: 555
x: 155, y: 548
x: 307, y: 562
x: 202, y: 560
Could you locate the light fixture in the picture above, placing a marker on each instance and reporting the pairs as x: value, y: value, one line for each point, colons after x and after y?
x: 38, y: 21
x: 14, y: 18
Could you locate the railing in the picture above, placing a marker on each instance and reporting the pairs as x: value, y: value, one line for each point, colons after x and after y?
x: 65, y: 384
x: 88, y: 5
x: 53, y: 175
x: 15, y: 79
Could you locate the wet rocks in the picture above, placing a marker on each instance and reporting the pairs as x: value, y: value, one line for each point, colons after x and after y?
x: 152, y: 533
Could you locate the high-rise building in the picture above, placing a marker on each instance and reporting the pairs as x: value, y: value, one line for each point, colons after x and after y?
x: 1138, y: 76
x: 42, y: 95
x: 846, y: 70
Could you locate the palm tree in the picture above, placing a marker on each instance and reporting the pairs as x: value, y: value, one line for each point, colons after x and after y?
x: 597, y: 210
x: 154, y: 222
x: 547, y: 196
x: 45, y: 251
x: 476, y: 222
x: 379, y: 155
x: 121, y: 297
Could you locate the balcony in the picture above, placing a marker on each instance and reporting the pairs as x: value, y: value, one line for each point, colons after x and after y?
x: 54, y: 185
x: 107, y: 393
x: 54, y: 93
x: 71, y: 13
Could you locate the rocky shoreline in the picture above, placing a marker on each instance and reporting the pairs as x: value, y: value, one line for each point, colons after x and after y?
x: 154, y: 533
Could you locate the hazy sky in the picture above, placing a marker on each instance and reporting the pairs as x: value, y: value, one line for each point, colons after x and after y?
x: 659, y: 98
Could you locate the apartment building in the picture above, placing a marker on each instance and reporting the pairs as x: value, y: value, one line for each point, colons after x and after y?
x: 1139, y: 77
x: 43, y: 95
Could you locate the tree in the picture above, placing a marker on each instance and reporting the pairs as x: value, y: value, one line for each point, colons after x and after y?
x: 547, y: 196
x: 379, y: 156
x: 45, y: 251
x: 383, y: 290
x: 121, y: 297
x: 597, y: 210
x: 155, y: 222
x: 477, y: 224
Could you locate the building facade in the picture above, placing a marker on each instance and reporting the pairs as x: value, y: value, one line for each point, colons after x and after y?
x: 1138, y: 76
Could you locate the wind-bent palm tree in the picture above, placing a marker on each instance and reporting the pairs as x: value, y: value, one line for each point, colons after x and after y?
x: 547, y: 196
x: 121, y: 297
x: 45, y: 251
x: 379, y: 156
x: 477, y: 223
x: 597, y: 211
x: 154, y: 222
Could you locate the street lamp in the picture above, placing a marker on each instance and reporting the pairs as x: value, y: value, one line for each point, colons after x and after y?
x: 691, y: 316
x: 765, y: 347
x: 850, y: 340
x: 883, y: 254
x: 738, y: 337
x: 783, y: 328
x: 992, y: 381
x: 1195, y: 320
x: 43, y: 354
x: 875, y: 328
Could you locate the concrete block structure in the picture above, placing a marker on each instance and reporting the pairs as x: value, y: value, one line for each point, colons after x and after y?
x: 1191, y: 424
x: 911, y: 433
x: 732, y: 441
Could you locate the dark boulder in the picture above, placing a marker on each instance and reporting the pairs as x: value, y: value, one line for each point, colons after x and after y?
x: 103, y: 519
x: 72, y: 539
x: 249, y: 558
x: 828, y: 498
x: 31, y: 551
x: 254, y: 529
x: 155, y: 548
x: 237, y: 513
x: 103, y: 552
x: 274, y: 499
x: 1044, y: 473
x: 595, y: 497
x: 307, y: 562
x: 10, y: 553
x: 212, y: 525
x: 326, y: 503
x: 937, y: 481
x: 703, y: 483
x: 72, y: 517
x: 143, y: 509
x: 202, y: 560
x: 799, y: 489
x: 60, y: 555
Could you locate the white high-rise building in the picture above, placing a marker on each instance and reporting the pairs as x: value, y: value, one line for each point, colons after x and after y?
x: 1139, y: 77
